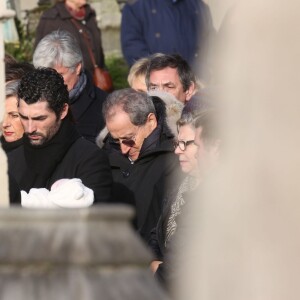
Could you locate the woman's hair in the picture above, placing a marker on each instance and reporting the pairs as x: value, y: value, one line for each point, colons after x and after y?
x: 11, y: 88
x: 139, y: 68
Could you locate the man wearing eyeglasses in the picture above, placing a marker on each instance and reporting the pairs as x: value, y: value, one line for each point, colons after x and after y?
x: 141, y: 153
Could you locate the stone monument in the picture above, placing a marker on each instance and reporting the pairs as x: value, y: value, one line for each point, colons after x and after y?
x: 88, y: 254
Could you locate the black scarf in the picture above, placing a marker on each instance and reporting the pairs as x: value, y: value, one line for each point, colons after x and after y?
x: 9, y: 146
x: 42, y: 160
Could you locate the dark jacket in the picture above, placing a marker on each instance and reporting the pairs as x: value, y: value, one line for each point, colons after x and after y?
x: 167, y: 251
x: 14, y: 190
x: 10, y: 146
x: 58, y: 17
x: 142, y: 183
x: 66, y: 155
x: 166, y: 26
x: 87, y: 110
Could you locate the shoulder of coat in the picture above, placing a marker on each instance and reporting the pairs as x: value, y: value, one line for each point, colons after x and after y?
x: 51, y: 12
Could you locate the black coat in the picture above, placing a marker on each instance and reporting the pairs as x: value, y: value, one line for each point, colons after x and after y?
x: 142, y: 183
x: 87, y: 110
x: 14, y: 190
x: 58, y: 17
x: 40, y: 167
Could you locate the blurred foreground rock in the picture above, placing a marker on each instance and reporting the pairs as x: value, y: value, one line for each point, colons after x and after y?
x: 73, y: 254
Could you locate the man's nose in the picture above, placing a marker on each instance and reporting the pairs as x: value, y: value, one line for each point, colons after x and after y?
x: 31, y: 126
x: 124, y: 148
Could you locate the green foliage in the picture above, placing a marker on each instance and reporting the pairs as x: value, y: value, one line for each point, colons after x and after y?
x: 23, y: 50
x: 118, y: 70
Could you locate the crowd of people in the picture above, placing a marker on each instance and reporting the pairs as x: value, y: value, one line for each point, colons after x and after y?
x: 149, y: 146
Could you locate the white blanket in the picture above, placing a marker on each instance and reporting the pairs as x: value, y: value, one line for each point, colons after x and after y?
x: 64, y: 193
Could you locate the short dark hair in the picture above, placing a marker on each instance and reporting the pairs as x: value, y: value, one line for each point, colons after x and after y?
x: 44, y: 84
x: 175, y: 61
x: 16, y: 70
x: 136, y: 104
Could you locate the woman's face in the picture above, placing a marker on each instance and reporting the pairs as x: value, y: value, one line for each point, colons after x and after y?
x: 76, y: 4
x: 187, y: 157
x: 11, y: 125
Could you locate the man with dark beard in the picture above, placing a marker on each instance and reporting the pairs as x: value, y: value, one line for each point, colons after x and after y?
x: 53, y: 149
x: 60, y: 50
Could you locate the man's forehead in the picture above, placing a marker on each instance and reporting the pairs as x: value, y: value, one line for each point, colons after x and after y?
x: 37, y: 107
x: 166, y: 74
x: 117, y: 117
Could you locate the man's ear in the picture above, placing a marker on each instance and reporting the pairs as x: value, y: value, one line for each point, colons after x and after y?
x: 78, y: 69
x: 64, y: 111
x: 190, y: 91
x: 152, y: 121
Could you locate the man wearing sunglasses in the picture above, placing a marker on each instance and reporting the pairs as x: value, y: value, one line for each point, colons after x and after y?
x: 141, y: 153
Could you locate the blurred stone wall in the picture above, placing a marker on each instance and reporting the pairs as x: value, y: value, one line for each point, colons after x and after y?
x: 109, y: 19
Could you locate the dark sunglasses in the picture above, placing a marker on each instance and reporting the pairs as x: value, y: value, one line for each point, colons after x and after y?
x: 127, y: 142
x: 183, y: 144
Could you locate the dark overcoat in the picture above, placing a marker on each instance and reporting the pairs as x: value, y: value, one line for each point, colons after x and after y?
x: 58, y: 17
x: 165, y: 26
x: 87, y: 110
x: 142, y: 183
x: 82, y: 159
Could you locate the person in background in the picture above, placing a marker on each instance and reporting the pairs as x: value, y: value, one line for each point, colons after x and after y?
x: 140, y: 149
x: 172, y: 74
x: 67, y: 15
x: 12, y: 133
x: 197, y: 148
x: 137, y: 74
x: 52, y: 147
x: 170, y: 26
x: 15, y: 70
x: 11, y: 126
x: 59, y: 50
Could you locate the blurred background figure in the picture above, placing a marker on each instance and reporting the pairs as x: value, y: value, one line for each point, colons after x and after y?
x: 78, y: 18
x: 60, y: 50
x: 170, y: 26
x: 10, y: 33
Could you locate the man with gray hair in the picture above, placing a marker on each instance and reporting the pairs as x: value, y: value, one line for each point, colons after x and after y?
x: 141, y: 153
x: 60, y: 50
